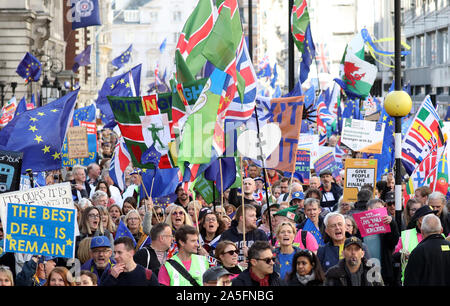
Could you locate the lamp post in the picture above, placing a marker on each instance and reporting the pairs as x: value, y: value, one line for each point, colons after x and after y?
x: 398, y: 104
x: 2, y: 91
x: 46, y: 91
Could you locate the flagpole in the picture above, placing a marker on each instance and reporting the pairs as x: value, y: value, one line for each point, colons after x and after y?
x: 264, y: 173
x: 148, y: 197
x: 221, y: 183
x: 243, y: 206
x: 291, y: 62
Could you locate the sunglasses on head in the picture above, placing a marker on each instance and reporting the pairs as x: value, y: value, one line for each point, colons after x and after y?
x: 232, y: 252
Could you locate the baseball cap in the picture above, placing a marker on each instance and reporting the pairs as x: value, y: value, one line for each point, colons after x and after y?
x: 214, y: 273
x: 100, y: 241
x: 298, y: 195
x: 390, y: 197
x: 326, y: 172
x: 353, y: 240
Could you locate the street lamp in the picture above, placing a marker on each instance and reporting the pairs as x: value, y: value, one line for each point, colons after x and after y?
x: 46, y: 91
x: 56, y: 89
x: 2, y: 91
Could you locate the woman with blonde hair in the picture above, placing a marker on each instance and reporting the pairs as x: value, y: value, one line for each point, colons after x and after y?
x: 133, y: 221
x: 193, y: 209
x: 107, y: 221
x: 83, y: 252
x: 6, y: 277
x: 178, y: 217
x: 91, y: 225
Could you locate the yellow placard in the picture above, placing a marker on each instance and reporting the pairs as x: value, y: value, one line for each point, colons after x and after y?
x: 358, y: 172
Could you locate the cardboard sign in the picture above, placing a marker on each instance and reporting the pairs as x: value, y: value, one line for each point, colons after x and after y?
x: 363, y: 135
x: 370, y: 222
x: 91, y: 129
x: 40, y: 230
x: 10, y: 170
x: 77, y: 142
x: 358, y: 172
x: 303, y: 164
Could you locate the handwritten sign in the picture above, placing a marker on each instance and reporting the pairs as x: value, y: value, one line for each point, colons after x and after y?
x: 363, y: 135
x: 10, y: 169
x: 303, y: 164
x: 40, y: 230
x: 370, y: 222
x: 327, y: 162
x: 91, y: 129
x: 77, y: 142
x: 359, y: 172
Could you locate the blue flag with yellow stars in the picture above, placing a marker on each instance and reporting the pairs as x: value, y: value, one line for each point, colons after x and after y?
x: 82, y: 59
x: 123, y: 85
x: 123, y: 58
x: 164, y: 182
x: 29, y: 68
x: 123, y: 231
x: 21, y: 107
x: 387, y: 156
x: 39, y: 133
x: 308, y: 54
x: 86, y: 113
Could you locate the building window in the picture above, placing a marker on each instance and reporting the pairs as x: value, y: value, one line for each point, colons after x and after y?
x: 131, y: 16
x: 409, y: 57
x: 431, y: 49
x: 443, y: 49
x: 419, y: 51
x: 177, y: 16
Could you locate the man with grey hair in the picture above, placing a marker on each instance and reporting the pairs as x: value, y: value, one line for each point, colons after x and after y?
x: 429, y: 262
x: 438, y: 202
x: 80, y: 187
x: 332, y: 251
x: 100, y: 198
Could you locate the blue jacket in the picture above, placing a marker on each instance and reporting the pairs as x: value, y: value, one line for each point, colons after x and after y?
x: 90, y: 266
x: 329, y: 255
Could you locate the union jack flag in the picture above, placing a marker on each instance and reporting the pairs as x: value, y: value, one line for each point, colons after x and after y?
x: 322, y: 58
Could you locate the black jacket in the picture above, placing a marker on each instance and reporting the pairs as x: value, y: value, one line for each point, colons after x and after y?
x: 140, y: 276
x: 429, y: 263
x: 388, y: 243
x: 295, y: 282
x: 84, y: 193
x: 336, y: 190
x: 142, y: 258
x: 233, y: 235
x: 244, y: 279
x: 338, y: 275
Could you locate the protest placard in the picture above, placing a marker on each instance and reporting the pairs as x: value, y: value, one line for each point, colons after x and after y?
x: 77, y: 143
x: 56, y: 195
x: 302, y: 164
x: 91, y: 129
x: 370, y: 222
x: 363, y: 135
x: 327, y: 162
x: 40, y: 230
x: 10, y: 170
x: 358, y: 172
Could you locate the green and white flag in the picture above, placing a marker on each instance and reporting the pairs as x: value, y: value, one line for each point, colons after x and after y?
x: 357, y: 74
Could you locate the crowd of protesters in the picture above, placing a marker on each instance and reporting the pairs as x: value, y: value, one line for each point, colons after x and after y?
x: 304, y: 236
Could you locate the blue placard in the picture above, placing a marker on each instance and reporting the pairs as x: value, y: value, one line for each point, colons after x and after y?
x: 40, y: 230
x: 92, y: 147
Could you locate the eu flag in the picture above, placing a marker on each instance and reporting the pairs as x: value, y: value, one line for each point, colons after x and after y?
x: 82, y: 59
x: 212, y: 173
x: 387, y: 156
x: 29, y: 68
x: 21, y: 107
x: 275, y: 76
x: 86, y: 113
x: 124, y: 85
x: 39, y: 133
x: 165, y: 182
x: 123, y: 231
x: 123, y: 58
x: 85, y: 13
x: 308, y: 54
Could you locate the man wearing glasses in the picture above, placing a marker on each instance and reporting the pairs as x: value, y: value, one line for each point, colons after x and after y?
x: 153, y: 256
x: 101, y: 260
x: 260, y: 271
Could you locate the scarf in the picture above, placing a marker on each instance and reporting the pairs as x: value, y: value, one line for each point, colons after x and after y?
x: 263, y: 282
x: 306, y: 278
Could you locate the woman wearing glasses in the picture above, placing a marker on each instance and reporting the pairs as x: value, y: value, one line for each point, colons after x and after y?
x: 134, y: 223
x: 177, y: 218
x: 227, y: 255
x: 91, y: 225
x: 306, y: 270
